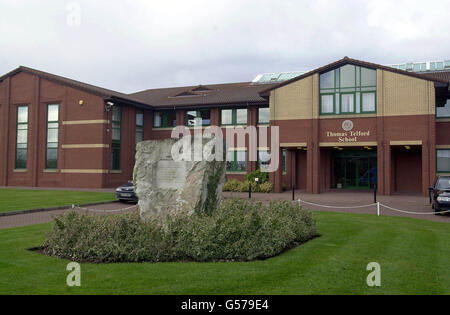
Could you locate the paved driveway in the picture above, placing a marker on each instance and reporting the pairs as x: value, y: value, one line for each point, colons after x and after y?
x: 408, y: 203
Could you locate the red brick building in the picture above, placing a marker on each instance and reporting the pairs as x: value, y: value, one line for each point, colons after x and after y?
x: 347, y: 125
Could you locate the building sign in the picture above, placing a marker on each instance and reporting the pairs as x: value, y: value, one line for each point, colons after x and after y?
x: 347, y: 125
x: 349, y: 136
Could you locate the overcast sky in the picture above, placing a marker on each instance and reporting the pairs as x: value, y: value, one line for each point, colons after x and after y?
x: 134, y: 45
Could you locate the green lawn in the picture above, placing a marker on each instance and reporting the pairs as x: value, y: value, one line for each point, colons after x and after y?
x: 26, y: 199
x: 414, y: 256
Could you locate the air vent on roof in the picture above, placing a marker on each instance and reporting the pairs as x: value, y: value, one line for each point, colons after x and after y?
x: 185, y: 93
x: 201, y: 88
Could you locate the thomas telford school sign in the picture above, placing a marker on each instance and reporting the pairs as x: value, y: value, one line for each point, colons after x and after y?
x: 348, y: 134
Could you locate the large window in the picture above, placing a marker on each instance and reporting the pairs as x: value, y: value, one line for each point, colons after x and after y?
x: 22, y: 137
x: 263, y: 115
x: 164, y: 119
x: 197, y: 117
x: 443, y: 112
x: 139, y: 126
x: 116, y: 138
x: 237, y: 116
x: 443, y: 161
x: 347, y: 90
x: 51, y: 156
x: 237, y: 161
x: 263, y: 160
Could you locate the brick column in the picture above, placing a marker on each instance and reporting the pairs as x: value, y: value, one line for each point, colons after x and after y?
x: 276, y: 177
x: 291, y: 167
x: 387, y: 169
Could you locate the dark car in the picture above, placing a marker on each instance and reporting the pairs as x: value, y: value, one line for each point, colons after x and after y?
x: 126, y: 192
x: 440, y: 194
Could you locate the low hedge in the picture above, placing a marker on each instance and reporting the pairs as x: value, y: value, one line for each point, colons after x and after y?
x: 238, y: 186
x: 237, y: 231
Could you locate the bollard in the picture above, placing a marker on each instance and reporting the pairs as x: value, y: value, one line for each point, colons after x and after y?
x: 293, y: 192
x: 375, y: 193
x: 249, y: 190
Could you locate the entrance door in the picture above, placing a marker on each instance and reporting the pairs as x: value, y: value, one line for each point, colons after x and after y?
x: 354, y: 169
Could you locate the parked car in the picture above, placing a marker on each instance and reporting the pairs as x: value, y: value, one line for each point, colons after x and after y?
x: 126, y: 192
x: 440, y: 194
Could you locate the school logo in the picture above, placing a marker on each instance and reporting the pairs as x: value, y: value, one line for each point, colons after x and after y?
x: 347, y: 125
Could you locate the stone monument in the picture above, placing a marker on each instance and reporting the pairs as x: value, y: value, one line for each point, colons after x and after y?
x: 166, y: 186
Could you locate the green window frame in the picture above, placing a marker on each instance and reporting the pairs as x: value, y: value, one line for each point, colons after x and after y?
x: 364, y: 77
x: 164, y: 119
x: 443, y: 160
x: 21, y: 137
x: 116, y: 137
x: 234, y: 117
x: 234, y: 164
x: 260, y: 122
x: 445, y: 109
x: 139, y: 126
x: 51, y: 153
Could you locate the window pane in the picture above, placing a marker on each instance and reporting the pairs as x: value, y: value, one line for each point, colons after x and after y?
x: 368, y: 77
x: 263, y: 159
x: 139, y: 136
x: 443, y: 111
x: 22, y: 136
x: 263, y: 115
x: 327, y: 104
x: 22, y: 114
x: 347, y: 105
x: 139, y: 118
x: 21, y: 158
x: 116, y: 113
x: 116, y: 134
x: 443, y: 160
x: 53, y: 112
x: 52, y: 158
x: 347, y: 76
x: 241, y: 161
x: 368, y: 102
x: 227, y: 117
x: 191, y: 116
x: 206, y: 116
x: 230, y: 159
x: 157, y: 119
x: 171, y: 119
x: 52, y: 135
x: 241, y: 116
x: 327, y: 80
x: 284, y: 160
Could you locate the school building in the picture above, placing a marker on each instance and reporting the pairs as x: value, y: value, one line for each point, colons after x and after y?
x: 348, y: 125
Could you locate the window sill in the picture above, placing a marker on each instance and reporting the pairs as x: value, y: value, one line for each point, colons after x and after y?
x: 443, y: 119
x: 20, y: 170
x: 162, y: 128
x: 51, y: 171
x: 355, y: 115
x: 115, y: 172
x: 237, y: 172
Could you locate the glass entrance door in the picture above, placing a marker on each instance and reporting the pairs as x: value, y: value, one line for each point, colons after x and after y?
x: 354, y: 169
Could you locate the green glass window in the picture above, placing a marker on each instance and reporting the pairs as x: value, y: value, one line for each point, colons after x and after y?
x: 443, y: 161
x: 233, y: 116
x: 348, y: 89
x: 263, y: 115
x: 443, y: 112
x: 164, y: 119
x: 263, y: 160
x: 139, y: 126
x: 284, y: 160
x: 22, y: 137
x: 237, y: 161
x: 51, y: 156
x: 197, y: 117
x: 116, y: 137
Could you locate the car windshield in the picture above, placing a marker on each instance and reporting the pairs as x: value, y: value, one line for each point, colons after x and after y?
x: 443, y: 183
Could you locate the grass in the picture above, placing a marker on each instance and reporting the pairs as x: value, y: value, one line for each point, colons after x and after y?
x: 414, y: 256
x: 26, y: 199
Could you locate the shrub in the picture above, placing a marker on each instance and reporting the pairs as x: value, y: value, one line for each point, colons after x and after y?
x: 232, y: 185
x: 266, y: 187
x: 263, y: 177
x: 237, y: 231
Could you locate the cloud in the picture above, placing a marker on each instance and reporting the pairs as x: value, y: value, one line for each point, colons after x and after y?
x: 135, y: 45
